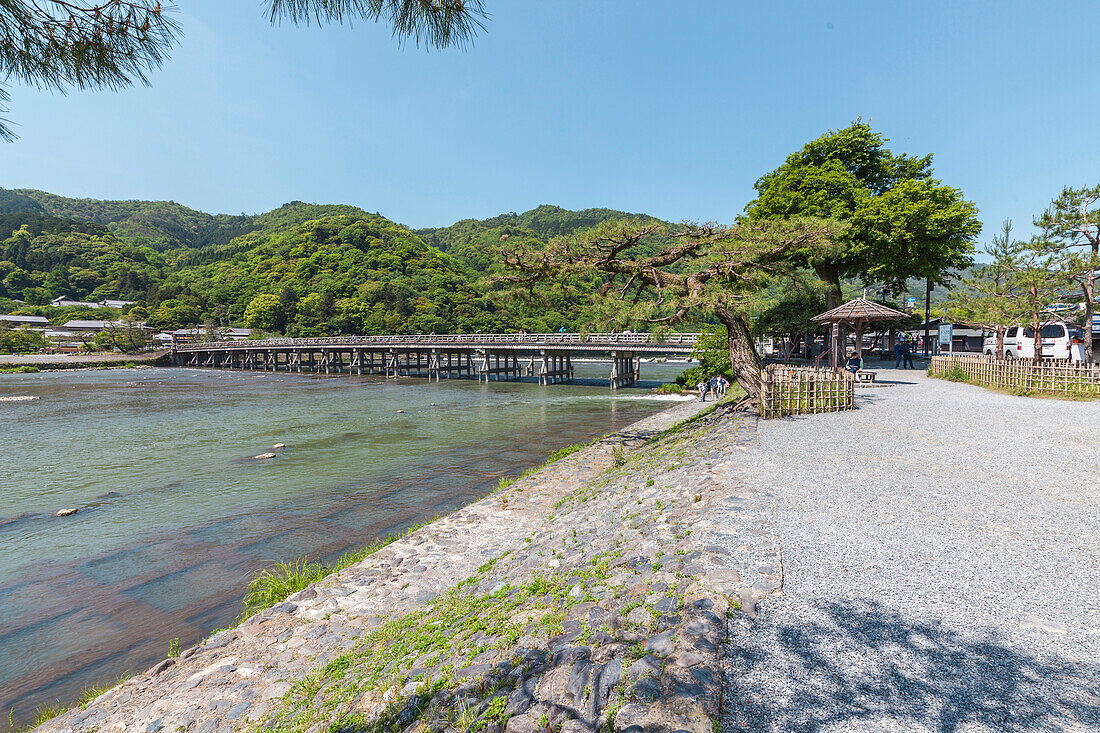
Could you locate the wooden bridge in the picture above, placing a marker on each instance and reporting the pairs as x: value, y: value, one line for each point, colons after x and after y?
x: 485, y: 357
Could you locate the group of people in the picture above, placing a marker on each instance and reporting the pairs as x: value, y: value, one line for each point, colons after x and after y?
x: 715, y: 385
x: 903, y: 350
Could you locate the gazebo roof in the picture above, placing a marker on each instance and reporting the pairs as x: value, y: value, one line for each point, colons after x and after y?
x: 859, y: 309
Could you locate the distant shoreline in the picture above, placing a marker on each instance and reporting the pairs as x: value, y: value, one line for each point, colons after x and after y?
x: 61, y: 362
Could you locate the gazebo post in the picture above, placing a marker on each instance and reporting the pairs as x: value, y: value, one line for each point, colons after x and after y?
x: 859, y: 339
x: 834, y: 345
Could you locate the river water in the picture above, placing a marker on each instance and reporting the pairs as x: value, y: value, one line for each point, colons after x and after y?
x: 173, y: 515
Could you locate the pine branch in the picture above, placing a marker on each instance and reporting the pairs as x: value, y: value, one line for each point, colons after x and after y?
x: 60, y: 45
x: 112, y: 44
x: 439, y: 23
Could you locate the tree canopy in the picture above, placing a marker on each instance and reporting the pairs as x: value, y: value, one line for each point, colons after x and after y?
x: 986, y: 298
x: 1070, y: 229
x: 1022, y: 284
x: 902, y: 223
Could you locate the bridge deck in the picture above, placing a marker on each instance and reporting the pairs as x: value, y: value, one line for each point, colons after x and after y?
x: 450, y: 356
x: 678, y: 343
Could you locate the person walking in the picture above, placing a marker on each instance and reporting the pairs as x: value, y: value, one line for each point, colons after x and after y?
x: 897, y: 353
x: 907, y: 354
x: 702, y: 387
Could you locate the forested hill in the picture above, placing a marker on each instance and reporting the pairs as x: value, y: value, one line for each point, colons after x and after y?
x: 544, y: 221
x: 302, y: 269
x: 161, y: 225
x: 478, y: 242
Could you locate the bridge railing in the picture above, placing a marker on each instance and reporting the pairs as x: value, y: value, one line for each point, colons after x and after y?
x: 464, y: 339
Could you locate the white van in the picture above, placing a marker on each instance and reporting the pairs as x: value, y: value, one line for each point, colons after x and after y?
x: 1059, y: 341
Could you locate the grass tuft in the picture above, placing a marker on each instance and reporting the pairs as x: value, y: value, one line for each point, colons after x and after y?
x: 283, y: 579
x: 552, y: 458
x: 277, y: 583
x: 91, y: 693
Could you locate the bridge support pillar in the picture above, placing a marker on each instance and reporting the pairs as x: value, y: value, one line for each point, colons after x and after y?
x: 623, y: 370
x: 555, y: 367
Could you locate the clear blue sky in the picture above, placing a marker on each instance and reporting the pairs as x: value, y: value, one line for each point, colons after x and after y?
x: 673, y: 109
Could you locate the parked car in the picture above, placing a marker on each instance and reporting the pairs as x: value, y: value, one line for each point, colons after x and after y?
x: 1059, y: 341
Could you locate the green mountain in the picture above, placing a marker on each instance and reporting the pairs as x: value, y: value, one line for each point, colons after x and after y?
x: 162, y: 225
x: 322, y: 268
x: 479, y: 242
x: 301, y: 269
x: 351, y: 273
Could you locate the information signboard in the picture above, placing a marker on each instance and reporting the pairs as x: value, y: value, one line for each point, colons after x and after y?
x: 946, y: 332
x: 911, y: 302
x: 1096, y: 322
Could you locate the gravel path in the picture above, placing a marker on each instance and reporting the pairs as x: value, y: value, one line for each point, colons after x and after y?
x: 940, y: 566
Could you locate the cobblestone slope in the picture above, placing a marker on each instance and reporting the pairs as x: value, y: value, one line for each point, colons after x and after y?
x: 591, y: 595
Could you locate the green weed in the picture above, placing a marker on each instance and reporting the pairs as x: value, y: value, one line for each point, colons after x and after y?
x: 557, y: 455
x: 277, y: 583
x: 91, y: 693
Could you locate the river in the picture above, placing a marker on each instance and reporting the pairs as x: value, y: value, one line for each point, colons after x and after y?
x: 173, y: 515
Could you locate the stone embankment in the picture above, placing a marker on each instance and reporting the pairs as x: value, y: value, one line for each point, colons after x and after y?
x: 591, y: 595
x: 52, y: 362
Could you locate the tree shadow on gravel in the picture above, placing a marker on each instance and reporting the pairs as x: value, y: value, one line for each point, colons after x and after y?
x: 862, y: 666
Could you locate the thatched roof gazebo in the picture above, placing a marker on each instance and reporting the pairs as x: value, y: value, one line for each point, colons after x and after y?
x: 855, y: 313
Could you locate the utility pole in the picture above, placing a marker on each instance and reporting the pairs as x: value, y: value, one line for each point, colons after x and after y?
x: 927, y: 312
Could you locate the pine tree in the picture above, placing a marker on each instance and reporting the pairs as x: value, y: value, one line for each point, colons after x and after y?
x: 1071, y: 229
x: 655, y: 275
x: 987, y: 298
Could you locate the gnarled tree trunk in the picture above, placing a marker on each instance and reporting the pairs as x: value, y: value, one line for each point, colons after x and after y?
x: 1090, y: 298
x: 744, y: 360
x: 830, y: 275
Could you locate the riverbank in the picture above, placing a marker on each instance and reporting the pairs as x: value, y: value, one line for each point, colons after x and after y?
x: 174, y: 515
x: 591, y: 593
x: 55, y: 362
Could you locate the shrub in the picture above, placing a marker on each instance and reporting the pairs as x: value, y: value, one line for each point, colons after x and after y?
x: 956, y: 374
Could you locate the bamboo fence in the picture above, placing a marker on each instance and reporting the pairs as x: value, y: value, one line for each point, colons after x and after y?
x: 790, y: 390
x: 1047, y: 376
